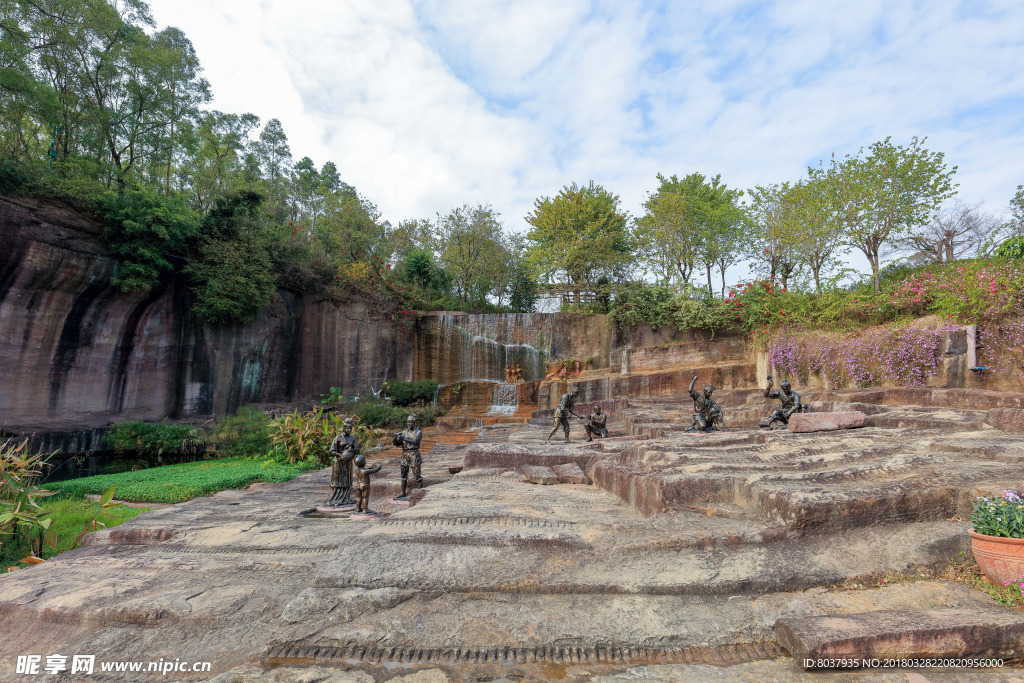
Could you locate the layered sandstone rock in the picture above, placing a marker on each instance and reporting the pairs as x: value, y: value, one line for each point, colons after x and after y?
x: 76, y: 353
x: 827, y: 422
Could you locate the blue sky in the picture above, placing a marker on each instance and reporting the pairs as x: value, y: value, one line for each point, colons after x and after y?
x: 428, y: 105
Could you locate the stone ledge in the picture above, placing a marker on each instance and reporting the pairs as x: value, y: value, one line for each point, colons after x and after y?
x: 570, y: 473
x: 827, y: 422
x: 1006, y: 419
x: 539, y: 474
x: 908, y: 633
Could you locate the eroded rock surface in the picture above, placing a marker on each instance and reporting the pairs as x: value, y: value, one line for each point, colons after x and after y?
x: 685, y: 552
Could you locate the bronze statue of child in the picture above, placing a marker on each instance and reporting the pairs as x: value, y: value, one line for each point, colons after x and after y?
x: 363, y: 484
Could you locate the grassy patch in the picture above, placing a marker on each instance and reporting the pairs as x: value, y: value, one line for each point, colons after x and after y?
x: 965, y: 571
x: 69, y: 515
x: 177, y: 483
x: 961, y: 569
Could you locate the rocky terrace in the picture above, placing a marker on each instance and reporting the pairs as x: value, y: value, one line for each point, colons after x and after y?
x: 682, y: 551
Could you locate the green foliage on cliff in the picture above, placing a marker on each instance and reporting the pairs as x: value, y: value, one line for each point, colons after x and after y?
x: 975, y: 291
x: 146, y: 231
x: 232, y: 280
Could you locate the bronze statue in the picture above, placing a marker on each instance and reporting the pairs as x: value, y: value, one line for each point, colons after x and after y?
x: 344, y: 448
x: 565, y: 408
x: 409, y: 441
x: 597, y: 424
x: 790, y: 404
x: 363, y: 484
x: 707, y: 415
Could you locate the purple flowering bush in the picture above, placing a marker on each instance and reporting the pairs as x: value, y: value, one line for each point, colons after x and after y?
x: 886, y: 355
x: 1003, y: 516
x: 1001, y: 346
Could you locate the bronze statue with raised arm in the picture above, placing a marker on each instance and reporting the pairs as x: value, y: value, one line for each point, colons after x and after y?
x: 707, y: 415
x: 790, y: 404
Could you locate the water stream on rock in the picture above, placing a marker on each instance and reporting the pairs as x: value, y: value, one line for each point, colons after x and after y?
x: 506, y: 400
x: 467, y: 347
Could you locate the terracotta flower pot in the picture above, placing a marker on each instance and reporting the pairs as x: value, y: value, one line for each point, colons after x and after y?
x: 1002, y: 559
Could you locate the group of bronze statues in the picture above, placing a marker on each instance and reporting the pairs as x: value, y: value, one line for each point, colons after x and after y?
x: 597, y: 423
x: 513, y: 374
x: 345, y: 451
x: 707, y: 414
x: 707, y: 417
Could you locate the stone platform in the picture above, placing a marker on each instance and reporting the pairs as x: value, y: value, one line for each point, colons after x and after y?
x: 674, y: 564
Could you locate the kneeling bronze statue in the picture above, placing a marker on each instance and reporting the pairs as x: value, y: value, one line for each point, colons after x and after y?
x: 597, y: 424
x: 790, y: 404
x: 707, y: 415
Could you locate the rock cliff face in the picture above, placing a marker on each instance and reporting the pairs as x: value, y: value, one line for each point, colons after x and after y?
x: 75, y: 353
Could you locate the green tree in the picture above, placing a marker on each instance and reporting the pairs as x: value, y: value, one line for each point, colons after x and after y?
x: 275, y: 160
x: 1016, y: 224
x: 581, y: 235
x: 410, y: 235
x: 471, y: 248
x: 351, y: 228
x: 881, y: 195
x: 814, y: 229
x: 668, y: 232
x: 712, y: 220
x: 419, y: 269
x: 179, y: 77
x: 769, y: 220
x: 216, y: 168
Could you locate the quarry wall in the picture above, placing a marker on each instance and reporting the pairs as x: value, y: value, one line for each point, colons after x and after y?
x: 77, y: 354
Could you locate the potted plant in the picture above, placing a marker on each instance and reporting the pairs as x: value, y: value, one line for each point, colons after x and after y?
x: 997, y: 539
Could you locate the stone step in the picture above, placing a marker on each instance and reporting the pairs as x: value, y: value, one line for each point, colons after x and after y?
x: 991, y: 632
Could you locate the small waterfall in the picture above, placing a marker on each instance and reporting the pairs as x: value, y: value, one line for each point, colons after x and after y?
x: 471, y: 347
x: 506, y: 400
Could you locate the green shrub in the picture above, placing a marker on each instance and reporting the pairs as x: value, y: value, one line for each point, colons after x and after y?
x: 407, y: 393
x: 304, y: 438
x: 150, y: 439
x: 387, y: 415
x: 1011, y: 248
x: 177, y: 483
x: 232, y: 279
x: 644, y: 305
x: 246, y: 434
x: 14, y: 177
x: 22, y: 521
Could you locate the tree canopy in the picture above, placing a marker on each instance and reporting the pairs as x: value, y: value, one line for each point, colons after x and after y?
x: 581, y: 234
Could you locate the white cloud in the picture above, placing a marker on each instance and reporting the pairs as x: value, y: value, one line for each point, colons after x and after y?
x: 428, y: 105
